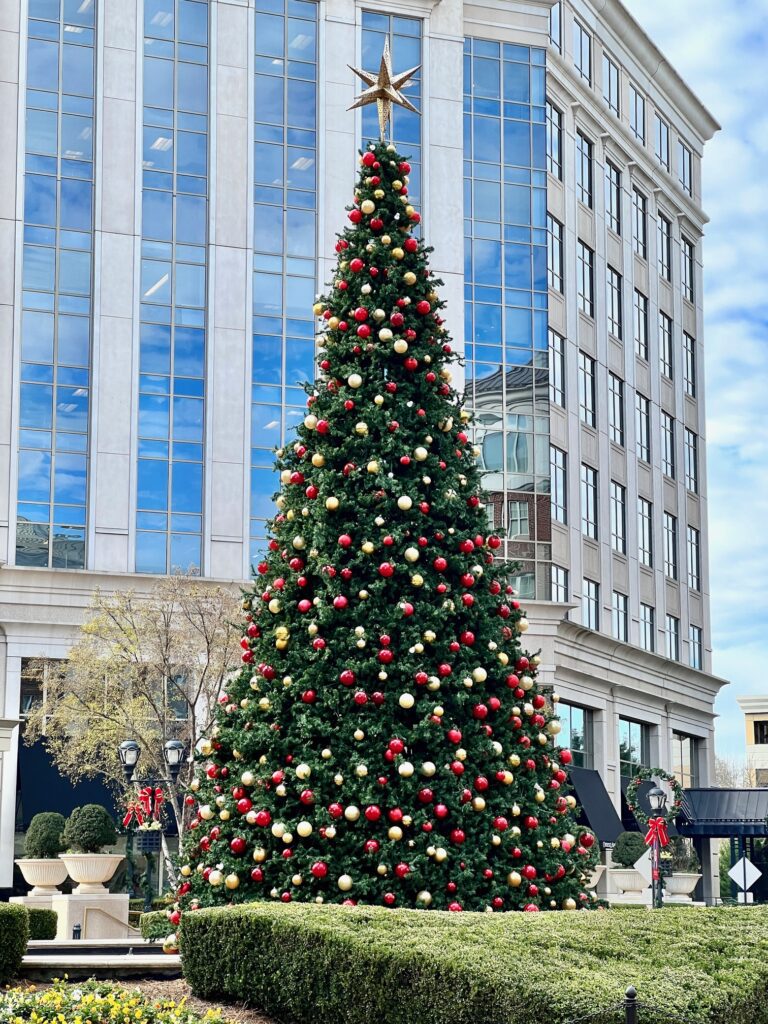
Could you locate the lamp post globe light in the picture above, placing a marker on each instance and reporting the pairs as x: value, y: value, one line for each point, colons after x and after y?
x: 129, y: 752
x: 657, y: 799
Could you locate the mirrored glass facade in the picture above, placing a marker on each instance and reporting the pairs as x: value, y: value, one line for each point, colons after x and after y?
x: 172, y: 354
x: 57, y: 293
x: 505, y: 279
x: 285, y: 237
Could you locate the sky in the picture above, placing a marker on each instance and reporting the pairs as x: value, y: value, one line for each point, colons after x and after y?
x: 721, y: 50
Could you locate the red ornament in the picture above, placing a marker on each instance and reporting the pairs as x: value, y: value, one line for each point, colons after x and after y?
x: 238, y: 846
x: 386, y: 569
x: 423, y: 307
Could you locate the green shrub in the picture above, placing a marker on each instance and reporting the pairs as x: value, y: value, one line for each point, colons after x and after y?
x: 155, y: 925
x: 629, y: 848
x: 330, y: 964
x: 14, y: 936
x: 684, y: 857
x: 89, y: 829
x: 42, y: 923
x: 44, y: 838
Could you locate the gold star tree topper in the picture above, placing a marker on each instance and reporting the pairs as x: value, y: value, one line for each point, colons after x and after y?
x: 384, y: 90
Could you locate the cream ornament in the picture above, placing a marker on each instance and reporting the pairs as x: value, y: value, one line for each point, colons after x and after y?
x: 522, y: 625
x: 297, y: 880
x: 304, y: 829
x: 303, y: 771
x: 404, y: 503
x: 232, y: 881
x: 379, y: 314
x: 405, y: 769
x: 216, y: 877
x: 332, y: 504
x: 406, y: 701
x: 361, y: 428
x: 420, y: 454
x: 385, y: 334
x: 330, y: 832
x: 395, y: 833
x: 355, y: 380
x: 411, y: 554
x: 428, y: 769
x: 318, y: 460
x: 345, y: 883
x: 400, y: 346
x: 351, y: 813
x: 326, y: 753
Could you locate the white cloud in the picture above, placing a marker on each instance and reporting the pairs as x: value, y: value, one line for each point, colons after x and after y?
x: 720, y: 49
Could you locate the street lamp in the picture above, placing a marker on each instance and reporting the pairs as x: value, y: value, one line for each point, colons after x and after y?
x: 657, y: 798
x: 129, y: 753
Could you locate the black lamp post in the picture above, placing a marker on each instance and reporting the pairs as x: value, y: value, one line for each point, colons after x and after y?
x: 129, y: 752
x: 657, y: 798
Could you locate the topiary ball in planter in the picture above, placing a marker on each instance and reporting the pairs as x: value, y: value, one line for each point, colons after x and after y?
x: 43, y: 840
x: 89, y: 829
x: 628, y: 849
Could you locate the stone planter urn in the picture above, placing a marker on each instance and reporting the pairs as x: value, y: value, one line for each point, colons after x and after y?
x: 680, y: 885
x: 44, y: 875
x: 627, y: 880
x: 91, y: 870
x: 597, y: 873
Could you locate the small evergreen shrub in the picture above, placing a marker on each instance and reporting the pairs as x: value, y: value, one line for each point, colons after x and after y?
x: 43, y: 840
x: 629, y: 848
x: 684, y: 857
x: 14, y: 936
x: 42, y: 923
x: 155, y: 925
x: 89, y: 829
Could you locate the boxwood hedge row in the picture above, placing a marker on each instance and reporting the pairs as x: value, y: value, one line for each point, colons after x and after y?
x: 337, y: 965
x: 14, y: 935
x: 155, y: 925
x: 42, y: 923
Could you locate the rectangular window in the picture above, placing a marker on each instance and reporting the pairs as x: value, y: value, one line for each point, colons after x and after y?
x: 664, y: 246
x: 559, y: 584
x: 619, y: 617
x: 761, y: 733
x: 589, y: 502
x: 558, y: 482
x: 691, y: 461
x: 611, y: 90
x: 685, y: 759
x: 554, y: 141
x: 639, y: 223
x: 584, y: 169
x: 613, y: 197
x: 685, y: 167
x: 555, y: 26
x: 672, y: 638
x: 666, y: 351
x: 689, y: 365
x: 670, y: 546
x: 694, y: 557
x: 587, y: 412
x: 590, y: 604
x: 613, y: 304
x: 554, y: 254
x: 647, y: 628
x: 637, y: 114
x: 585, y: 266
x: 642, y: 428
x: 518, y: 526
x: 645, y: 532
x: 640, y: 318
x: 576, y: 733
x: 687, y: 267
x: 634, y: 747
x: 695, y: 647
x: 661, y: 140
x: 668, y: 445
x: 618, y: 518
x: 616, y: 409
x: 582, y: 51
x: 556, y: 369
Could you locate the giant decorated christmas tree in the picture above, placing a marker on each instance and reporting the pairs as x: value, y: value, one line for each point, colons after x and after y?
x: 386, y: 741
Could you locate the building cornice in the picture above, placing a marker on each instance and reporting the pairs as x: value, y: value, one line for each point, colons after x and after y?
x: 657, y: 67
x: 753, y: 705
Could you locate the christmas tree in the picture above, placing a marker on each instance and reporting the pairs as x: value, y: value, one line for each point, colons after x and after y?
x: 386, y: 741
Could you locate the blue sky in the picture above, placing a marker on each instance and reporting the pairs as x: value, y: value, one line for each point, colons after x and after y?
x: 721, y: 50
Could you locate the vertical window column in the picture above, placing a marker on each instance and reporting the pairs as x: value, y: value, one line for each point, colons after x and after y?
x: 169, y: 513
x: 57, y: 288
x: 285, y: 237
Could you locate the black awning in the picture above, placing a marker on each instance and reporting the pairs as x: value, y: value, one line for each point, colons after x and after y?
x: 597, y: 807
x: 724, y: 813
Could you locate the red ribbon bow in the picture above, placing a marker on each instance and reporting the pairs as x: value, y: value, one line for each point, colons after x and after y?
x: 151, y: 801
x: 133, y: 811
x: 657, y: 830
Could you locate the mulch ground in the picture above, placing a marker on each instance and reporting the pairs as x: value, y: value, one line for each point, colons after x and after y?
x: 177, y: 989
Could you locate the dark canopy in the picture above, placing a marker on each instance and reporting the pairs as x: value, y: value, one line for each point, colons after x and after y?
x: 724, y: 813
x: 597, y: 807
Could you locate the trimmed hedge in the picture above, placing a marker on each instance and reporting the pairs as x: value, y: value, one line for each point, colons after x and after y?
x: 42, y: 923
x: 337, y: 965
x: 155, y: 925
x: 14, y: 936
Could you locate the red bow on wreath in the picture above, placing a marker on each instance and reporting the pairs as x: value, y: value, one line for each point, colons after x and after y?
x: 133, y: 810
x: 150, y: 806
x: 657, y: 831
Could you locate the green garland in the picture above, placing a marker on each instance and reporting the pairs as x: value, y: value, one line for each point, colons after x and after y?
x: 649, y: 775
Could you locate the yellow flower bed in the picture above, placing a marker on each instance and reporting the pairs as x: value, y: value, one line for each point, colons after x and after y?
x: 93, y: 1003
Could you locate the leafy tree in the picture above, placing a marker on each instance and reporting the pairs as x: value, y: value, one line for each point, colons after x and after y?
x: 386, y: 741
